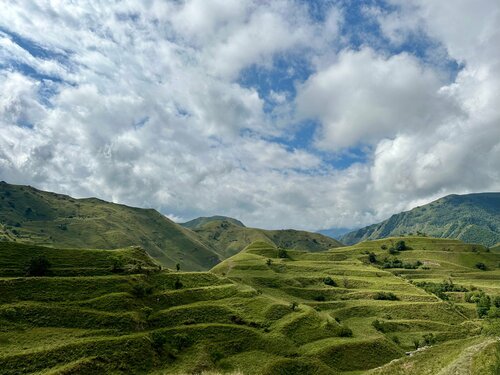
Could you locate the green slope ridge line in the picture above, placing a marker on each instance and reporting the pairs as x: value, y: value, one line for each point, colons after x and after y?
x: 472, y: 218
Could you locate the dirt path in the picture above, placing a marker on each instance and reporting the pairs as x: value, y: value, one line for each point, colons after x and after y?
x: 462, y: 365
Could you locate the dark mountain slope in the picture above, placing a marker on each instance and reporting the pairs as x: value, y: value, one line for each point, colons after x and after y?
x: 473, y: 218
x: 34, y: 216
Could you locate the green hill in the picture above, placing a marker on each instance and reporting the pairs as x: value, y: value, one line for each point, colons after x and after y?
x: 201, y: 221
x: 472, y: 218
x: 229, y: 236
x: 33, y: 216
x: 266, y: 310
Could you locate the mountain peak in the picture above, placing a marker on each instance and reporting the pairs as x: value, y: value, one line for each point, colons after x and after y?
x: 473, y: 218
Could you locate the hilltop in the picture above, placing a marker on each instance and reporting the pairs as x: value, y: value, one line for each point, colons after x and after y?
x: 228, y: 236
x: 266, y: 310
x: 30, y: 215
x: 201, y: 221
x: 472, y: 218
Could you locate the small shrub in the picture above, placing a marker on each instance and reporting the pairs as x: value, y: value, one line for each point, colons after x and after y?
x: 329, y: 281
x: 429, y: 339
x: 396, y: 340
x: 178, y: 267
x: 383, y: 247
x: 282, y: 253
x: 140, y: 290
x: 345, y: 331
x: 401, y: 246
x: 483, y: 306
x: 416, y: 343
x: 269, y: 262
x: 393, y: 251
x: 178, y: 284
x: 294, y: 305
x: 372, y: 258
x: 481, y: 266
x: 496, y: 301
x: 118, y: 266
x: 38, y: 266
x: 319, y: 298
x: 237, y: 320
x: 388, y: 296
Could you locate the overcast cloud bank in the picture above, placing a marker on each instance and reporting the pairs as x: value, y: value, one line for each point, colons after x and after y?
x: 202, y: 107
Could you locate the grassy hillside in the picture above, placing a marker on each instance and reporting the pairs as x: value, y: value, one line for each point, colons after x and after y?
x: 472, y: 218
x: 263, y: 311
x: 32, y: 216
x: 429, y: 305
x: 229, y: 236
x: 201, y: 221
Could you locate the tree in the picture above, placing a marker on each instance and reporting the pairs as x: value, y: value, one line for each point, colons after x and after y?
x: 372, y: 258
x: 294, y: 305
x: 178, y: 267
x: 282, y: 253
x: 269, y: 262
x: 118, y: 266
x: 481, y: 266
x: 38, y: 266
x: 483, y: 306
x: 178, y: 284
x: 401, y: 245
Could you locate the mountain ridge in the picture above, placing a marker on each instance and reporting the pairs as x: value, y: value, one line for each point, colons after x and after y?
x: 44, y: 218
x: 473, y: 218
x: 228, y: 238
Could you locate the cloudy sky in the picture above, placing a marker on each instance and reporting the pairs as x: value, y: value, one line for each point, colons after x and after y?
x: 301, y: 114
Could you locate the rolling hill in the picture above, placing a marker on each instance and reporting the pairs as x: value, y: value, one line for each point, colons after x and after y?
x: 472, y: 218
x: 263, y: 311
x: 33, y: 216
x: 228, y: 236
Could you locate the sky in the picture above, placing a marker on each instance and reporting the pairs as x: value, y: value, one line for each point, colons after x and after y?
x: 283, y: 114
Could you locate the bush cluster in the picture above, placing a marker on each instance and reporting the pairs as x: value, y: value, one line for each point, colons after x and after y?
x: 38, y: 266
x: 398, y: 263
x: 440, y: 289
x: 486, y: 306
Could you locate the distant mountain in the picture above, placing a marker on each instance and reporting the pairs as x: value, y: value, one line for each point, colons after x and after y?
x: 201, y: 221
x: 228, y: 236
x: 335, y: 233
x: 473, y: 218
x: 34, y: 216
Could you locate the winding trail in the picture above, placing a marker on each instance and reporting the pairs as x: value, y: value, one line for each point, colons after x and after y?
x: 462, y: 365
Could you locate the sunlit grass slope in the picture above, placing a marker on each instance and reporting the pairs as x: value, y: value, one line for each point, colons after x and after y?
x: 96, y: 320
x: 344, y: 284
x: 34, y: 216
x: 266, y: 310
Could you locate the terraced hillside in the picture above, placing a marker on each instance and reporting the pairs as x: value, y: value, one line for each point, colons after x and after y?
x: 472, y: 218
x: 139, y: 319
x: 34, y: 216
x: 389, y: 310
x: 229, y: 236
x: 266, y: 310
